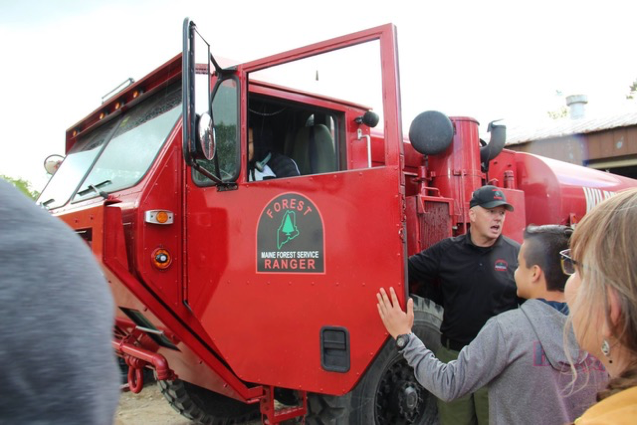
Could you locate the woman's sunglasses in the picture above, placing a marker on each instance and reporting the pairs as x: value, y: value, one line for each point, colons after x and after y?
x: 568, y: 264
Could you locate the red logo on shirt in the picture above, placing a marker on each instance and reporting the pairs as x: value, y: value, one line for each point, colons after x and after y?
x: 501, y: 265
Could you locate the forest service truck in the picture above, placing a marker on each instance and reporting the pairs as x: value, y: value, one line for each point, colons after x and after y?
x: 240, y: 293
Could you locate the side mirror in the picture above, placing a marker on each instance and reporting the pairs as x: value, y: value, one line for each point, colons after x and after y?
x: 52, y: 163
x: 206, y: 144
x: 431, y: 132
x: 198, y: 135
x: 370, y: 119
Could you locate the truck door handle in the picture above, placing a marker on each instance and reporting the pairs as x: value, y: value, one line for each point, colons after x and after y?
x: 335, y: 349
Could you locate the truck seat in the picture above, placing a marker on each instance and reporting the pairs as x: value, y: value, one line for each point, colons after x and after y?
x: 313, y: 150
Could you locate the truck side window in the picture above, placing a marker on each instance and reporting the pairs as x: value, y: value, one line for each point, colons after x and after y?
x: 225, y: 113
x: 307, y: 135
x: 314, y: 148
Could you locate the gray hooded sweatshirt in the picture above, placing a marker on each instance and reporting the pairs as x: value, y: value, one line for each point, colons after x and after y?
x: 57, y: 364
x: 520, y: 355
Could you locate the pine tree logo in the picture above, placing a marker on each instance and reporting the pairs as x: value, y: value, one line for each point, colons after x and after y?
x: 286, y: 217
x: 287, y: 230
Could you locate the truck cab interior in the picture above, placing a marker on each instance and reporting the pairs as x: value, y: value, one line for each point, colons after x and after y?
x: 311, y: 137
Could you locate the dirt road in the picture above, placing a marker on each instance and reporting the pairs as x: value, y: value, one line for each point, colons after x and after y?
x: 149, y: 407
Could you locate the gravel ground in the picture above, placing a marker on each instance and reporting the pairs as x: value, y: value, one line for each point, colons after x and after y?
x: 149, y: 407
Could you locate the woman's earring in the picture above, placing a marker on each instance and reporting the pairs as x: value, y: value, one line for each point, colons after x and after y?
x: 606, y: 350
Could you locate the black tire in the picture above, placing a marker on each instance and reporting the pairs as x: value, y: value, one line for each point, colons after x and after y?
x: 388, y: 394
x: 206, y: 407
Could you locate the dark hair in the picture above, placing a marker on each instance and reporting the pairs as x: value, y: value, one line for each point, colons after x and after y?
x: 263, y: 138
x: 543, y: 244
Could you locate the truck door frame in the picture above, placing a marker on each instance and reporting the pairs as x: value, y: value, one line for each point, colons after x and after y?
x: 220, y: 277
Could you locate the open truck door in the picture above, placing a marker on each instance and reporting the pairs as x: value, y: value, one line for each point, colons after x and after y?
x: 283, y: 272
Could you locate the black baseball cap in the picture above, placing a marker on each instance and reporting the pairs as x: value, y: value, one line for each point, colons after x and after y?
x: 489, y: 197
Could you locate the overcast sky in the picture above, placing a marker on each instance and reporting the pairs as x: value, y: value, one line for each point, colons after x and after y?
x: 485, y: 59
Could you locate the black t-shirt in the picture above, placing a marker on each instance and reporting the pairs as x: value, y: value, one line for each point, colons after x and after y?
x: 477, y: 283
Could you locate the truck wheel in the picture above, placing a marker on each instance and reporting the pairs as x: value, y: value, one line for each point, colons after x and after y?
x: 388, y: 394
x: 206, y: 407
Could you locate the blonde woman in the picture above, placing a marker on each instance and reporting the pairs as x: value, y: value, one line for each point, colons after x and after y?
x: 602, y: 297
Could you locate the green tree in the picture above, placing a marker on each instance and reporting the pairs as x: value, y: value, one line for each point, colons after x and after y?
x: 23, y: 186
x: 633, y: 91
x: 561, y: 112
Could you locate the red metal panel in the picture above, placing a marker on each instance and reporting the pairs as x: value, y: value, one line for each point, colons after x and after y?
x: 194, y: 362
x: 266, y: 325
x: 162, y: 190
x: 555, y: 191
x: 456, y: 171
x: 127, y: 286
x: 89, y: 219
x: 515, y: 221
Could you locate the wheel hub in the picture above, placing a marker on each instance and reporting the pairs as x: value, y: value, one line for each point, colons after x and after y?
x: 409, y: 399
x: 400, y: 399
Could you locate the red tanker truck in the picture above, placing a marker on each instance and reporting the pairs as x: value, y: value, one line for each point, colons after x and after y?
x: 240, y: 293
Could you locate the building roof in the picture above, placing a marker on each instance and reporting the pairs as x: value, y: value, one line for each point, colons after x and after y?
x: 521, y: 133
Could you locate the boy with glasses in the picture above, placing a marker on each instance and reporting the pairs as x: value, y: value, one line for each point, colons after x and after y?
x: 518, y: 354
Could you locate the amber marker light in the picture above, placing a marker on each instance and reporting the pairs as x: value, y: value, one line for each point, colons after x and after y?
x: 158, y: 217
x: 161, y: 258
x: 161, y: 217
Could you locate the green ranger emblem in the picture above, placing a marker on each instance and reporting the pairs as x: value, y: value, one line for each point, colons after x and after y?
x: 287, y: 230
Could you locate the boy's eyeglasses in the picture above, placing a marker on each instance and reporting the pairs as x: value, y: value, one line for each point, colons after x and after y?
x: 567, y: 263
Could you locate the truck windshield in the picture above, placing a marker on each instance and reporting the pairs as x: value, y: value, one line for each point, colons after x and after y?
x: 115, y: 156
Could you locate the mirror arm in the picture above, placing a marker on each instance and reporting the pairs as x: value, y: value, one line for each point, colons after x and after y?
x: 217, y: 168
x: 218, y: 69
x: 206, y: 173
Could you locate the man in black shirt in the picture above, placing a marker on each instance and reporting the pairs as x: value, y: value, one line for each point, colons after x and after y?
x: 475, y: 272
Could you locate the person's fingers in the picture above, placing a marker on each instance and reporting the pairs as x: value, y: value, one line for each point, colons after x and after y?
x: 385, y: 298
x: 383, y: 308
x: 410, y: 313
x: 383, y: 293
x: 381, y: 303
x: 394, y: 297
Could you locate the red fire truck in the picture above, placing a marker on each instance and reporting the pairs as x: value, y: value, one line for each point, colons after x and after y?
x: 240, y: 293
